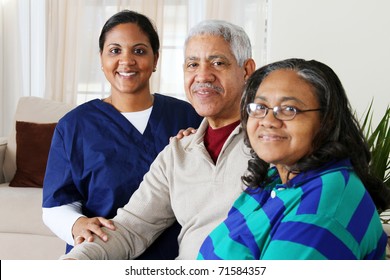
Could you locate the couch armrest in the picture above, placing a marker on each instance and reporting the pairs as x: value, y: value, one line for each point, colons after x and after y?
x: 3, y: 147
x: 385, y: 219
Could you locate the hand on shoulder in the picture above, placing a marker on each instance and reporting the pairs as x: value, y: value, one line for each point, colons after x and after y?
x: 183, y: 133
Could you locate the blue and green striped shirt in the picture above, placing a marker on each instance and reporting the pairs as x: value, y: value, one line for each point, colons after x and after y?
x: 322, y: 214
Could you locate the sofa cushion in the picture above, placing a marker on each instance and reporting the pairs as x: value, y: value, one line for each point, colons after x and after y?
x: 21, y: 211
x: 32, y: 148
x: 35, y: 110
x: 22, y: 246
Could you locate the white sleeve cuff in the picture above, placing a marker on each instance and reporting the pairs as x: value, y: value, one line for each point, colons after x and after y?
x: 60, y: 220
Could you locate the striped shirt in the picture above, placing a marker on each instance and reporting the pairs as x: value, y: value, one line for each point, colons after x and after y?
x: 321, y: 214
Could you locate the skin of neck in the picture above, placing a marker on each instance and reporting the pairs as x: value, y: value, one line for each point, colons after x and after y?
x: 130, y: 102
x: 218, y: 122
x: 284, y: 173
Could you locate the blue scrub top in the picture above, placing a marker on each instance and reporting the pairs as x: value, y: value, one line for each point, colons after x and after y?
x: 99, y: 158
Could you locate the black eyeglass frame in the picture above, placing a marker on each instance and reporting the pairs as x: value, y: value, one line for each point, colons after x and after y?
x: 276, y: 111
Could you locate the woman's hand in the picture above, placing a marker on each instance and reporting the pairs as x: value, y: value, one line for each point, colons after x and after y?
x: 84, y: 227
x: 184, y: 132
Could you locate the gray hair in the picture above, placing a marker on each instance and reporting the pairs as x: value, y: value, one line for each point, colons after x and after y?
x: 233, y: 34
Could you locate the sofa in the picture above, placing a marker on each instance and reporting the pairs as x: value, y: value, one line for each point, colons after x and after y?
x: 385, y: 218
x: 23, y: 235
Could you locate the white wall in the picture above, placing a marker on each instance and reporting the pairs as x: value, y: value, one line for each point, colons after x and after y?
x: 351, y: 36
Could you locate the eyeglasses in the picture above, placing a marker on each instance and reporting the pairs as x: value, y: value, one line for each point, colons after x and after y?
x: 283, y: 113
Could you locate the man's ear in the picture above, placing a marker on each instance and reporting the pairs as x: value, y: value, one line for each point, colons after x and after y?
x: 249, y: 68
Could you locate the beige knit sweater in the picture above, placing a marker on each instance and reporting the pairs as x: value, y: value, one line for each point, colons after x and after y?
x: 183, y: 182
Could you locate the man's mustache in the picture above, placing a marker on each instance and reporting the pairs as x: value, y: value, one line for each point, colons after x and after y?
x: 200, y: 86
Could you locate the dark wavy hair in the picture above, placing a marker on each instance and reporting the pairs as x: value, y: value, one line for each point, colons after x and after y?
x: 339, y: 137
x: 127, y: 16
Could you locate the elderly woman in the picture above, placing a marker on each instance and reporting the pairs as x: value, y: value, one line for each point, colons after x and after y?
x: 309, y: 194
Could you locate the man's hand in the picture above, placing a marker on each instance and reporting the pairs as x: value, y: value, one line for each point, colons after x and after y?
x: 84, y: 227
x: 184, y: 132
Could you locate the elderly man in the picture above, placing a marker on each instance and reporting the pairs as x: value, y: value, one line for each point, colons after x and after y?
x: 196, y: 179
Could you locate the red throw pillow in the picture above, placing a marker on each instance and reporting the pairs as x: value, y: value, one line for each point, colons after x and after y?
x: 33, y: 142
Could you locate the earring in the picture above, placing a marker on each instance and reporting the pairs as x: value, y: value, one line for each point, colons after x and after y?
x: 154, y: 69
x: 102, y: 68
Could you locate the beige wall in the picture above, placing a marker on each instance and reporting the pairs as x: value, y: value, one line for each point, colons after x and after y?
x: 351, y: 36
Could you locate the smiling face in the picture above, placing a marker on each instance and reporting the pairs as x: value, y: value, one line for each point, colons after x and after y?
x: 213, y: 80
x: 128, y: 59
x: 283, y: 143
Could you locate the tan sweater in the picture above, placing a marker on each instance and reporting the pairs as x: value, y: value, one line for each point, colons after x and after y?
x: 183, y: 182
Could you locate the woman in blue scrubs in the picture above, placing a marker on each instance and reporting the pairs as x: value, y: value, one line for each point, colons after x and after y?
x: 101, y: 149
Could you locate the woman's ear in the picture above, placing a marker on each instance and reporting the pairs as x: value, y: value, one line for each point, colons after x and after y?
x: 101, y: 61
x: 156, y: 56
